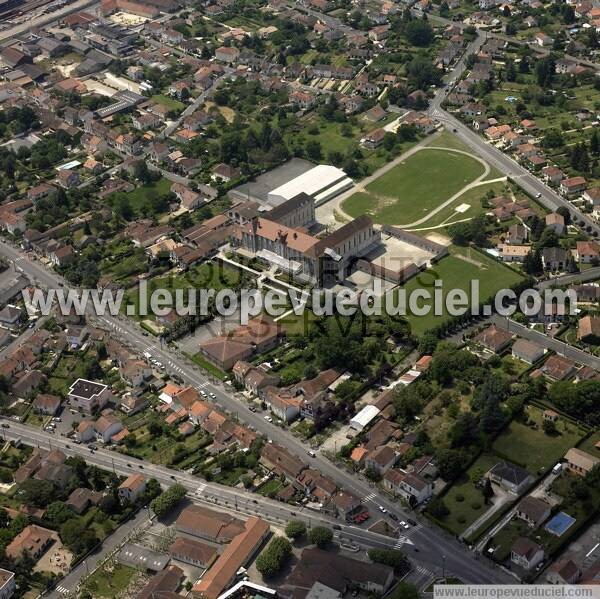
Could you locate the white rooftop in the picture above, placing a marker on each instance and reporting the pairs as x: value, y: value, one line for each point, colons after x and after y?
x: 312, y: 182
x: 364, y: 417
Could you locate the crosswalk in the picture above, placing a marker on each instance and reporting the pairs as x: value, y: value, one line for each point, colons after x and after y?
x: 370, y: 497
x: 423, y: 571
x: 200, y: 489
x: 62, y: 590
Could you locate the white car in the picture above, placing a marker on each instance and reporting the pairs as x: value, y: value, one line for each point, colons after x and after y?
x: 382, y: 509
x: 213, y: 395
x: 404, y: 525
x: 203, y: 393
x: 268, y: 419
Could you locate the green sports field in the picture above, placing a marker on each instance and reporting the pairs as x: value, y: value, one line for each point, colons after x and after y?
x: 412, y: 189
x: 456, y: 271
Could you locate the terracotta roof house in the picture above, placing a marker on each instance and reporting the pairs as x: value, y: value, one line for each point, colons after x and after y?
x: 564, y: 572
x: 46, y: 404
x: 587, y: 252
x: 556, y: 222
x: 588, y: 329
x: 33, y: 540
x: 526, y: 553
x: 494, y: 339
x: 338, y: 573
x: 193, y: 552
x: 80, y: 499
x: 580, y: 462
x: 533, y: 510
x: 573, y: 185
x: 235, y: 556
x: 204, y: 523
x: 281, y: 461
x: 259, y: 335
x: 344, y: 503
x: 527, y: 351
x: 132, y: 487
x: 163, y: 584
x: 558, y: 368
x: 381, y: 459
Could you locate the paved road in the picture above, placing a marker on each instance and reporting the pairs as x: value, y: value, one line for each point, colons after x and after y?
x: 67, y: 586
x: 431, y: 542
x: 210, y: 493
x: 561, y: 348
x: 591, y: 274
x: 504, y: 163
x: 46, y: 19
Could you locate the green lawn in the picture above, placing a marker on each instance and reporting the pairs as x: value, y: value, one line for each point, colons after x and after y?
x: 145, y: 194
x: 412, y: 189
x: 456, y: 271
x: 531, y: 447
x: 170, y: 103
x: 109, y: 581
x: 506, y: 536
x: 206, y: 365
x: 210, y: 275
x: 589, y: 444
x: 464, y: 500
x: 472, y: 197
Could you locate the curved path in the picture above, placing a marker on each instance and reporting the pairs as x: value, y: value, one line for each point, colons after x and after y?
x: 474, y: 183
x: 361, y: 187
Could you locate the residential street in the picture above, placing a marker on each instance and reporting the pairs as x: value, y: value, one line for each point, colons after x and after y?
x: 431, y: 542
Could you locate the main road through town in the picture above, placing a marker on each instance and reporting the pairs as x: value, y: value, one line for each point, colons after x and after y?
x: 495, y: 157
x: 435, y: 547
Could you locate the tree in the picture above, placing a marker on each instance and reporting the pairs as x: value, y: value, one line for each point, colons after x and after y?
x: 405, y: 590
x: 165, y: 502
x: 419, y: 33
x: 142, y: 173
x: 58, y: 513
x: 295, y: 529
x: 438, y: 509
x: 444, y: 9
x: 549, y: 427
x: 565, y: 213
x: 595, y: 143
x: 464, y: 431
x: 553, y: 138
x: 39, y: 493
x: 545, y: 70
x: 272, y: 559
x: 320, y: 536
x: 390, y: 557
x: 76, y: 535
x: 488, y: 490
x: 314, y: 150
x: 532, y: 263
x: 451, y: 463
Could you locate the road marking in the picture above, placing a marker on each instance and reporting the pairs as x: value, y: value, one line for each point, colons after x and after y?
x: 592, y: 550
x: 62, y: 590
x: 370, y: 497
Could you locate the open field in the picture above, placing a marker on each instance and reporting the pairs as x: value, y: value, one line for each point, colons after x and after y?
x: 457, y: 271
x: 412, y: 189
x: 469, y: 203
x: 205, y: 276
x: 170, y: 103
x: 533, y: 449
x: 464, y: 500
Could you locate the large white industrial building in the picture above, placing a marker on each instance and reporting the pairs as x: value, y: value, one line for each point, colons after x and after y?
x: 322, y: 182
